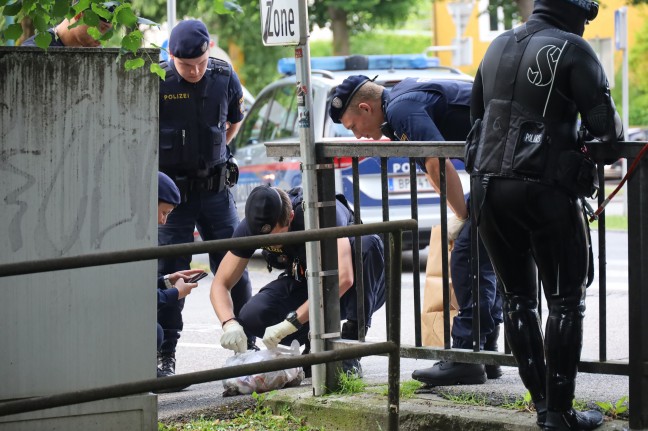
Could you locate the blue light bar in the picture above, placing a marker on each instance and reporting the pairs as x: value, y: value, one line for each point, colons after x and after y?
x: 286, y: 66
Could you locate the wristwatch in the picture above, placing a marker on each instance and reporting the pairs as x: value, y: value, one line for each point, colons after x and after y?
x: 167, y: 282
x: 292, y: 318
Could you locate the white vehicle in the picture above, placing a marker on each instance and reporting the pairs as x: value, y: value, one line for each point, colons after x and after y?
x: 273, y: 117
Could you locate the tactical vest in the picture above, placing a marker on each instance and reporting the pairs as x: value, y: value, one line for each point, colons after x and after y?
x: 511, y: 141
x: 293, y: 258
x: 193, y: 119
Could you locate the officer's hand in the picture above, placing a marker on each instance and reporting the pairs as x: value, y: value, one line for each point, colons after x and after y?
x: 455, y: 224
x: 274, y: 334
x: 234, y: 337
x: 184, y: 288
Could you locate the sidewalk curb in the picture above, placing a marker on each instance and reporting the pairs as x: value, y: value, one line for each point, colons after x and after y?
x: 368, y: 411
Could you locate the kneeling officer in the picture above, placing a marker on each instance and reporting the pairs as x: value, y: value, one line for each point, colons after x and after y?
x: 279, y: 311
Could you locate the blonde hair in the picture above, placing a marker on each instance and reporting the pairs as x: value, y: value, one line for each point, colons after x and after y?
x: 370, y: 93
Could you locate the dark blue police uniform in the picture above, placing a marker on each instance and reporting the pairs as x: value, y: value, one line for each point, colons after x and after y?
x: 285, y: 294
x: 193, y: 121
x: 422, y: 110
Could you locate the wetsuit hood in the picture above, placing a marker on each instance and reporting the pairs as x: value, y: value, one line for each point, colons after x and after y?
x: 562, y: 14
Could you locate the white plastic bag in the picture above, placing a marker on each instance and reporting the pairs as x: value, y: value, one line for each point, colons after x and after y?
x: 263, y: 382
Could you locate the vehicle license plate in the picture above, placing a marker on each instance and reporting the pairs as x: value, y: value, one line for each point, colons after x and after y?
x: 402, y: 184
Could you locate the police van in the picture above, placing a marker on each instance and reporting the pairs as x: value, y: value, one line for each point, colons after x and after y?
x: 273, y: 118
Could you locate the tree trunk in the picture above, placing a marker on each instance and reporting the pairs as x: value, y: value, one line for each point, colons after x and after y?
x: 340, y: 31
x: 525, y: 7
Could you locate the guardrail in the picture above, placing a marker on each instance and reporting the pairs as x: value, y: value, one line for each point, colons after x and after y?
x: 341, y: 350
x: 637, y: 365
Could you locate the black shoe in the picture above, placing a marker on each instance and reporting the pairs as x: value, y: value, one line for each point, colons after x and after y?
x: 446, y: 373
x: 352, y: 367
x: 166, y: 364
x: 493, y: 371
x: 571, y: 420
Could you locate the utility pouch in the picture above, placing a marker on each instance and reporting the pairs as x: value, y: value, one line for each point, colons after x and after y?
x: 231, y: 172
x: 577, y: 173
x: 184, y: 186
x: 472, y: 142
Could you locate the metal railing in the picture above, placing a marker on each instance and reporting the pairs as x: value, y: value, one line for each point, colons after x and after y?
x: 637, y: 365
x: 341, y: 350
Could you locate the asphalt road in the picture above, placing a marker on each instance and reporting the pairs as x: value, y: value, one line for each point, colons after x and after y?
x: 199, y: 347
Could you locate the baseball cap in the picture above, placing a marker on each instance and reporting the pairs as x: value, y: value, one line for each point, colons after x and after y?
x: 189, y: 39
x: 343, y: 95
x: 167, y: 190
x: 263, y: 209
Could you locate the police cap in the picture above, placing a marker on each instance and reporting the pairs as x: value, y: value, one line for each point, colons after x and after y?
x: 343, y: 95
x: 167, y: 190
x: 263, y: 209
x: 189, y: 39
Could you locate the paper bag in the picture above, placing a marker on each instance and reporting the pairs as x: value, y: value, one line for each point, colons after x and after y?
x: 432, y: 314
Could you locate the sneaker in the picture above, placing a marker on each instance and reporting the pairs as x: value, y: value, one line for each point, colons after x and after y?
x: 351, y: 367
x: 447, y: 373
x: 493, y: 371
x: 571, y: 420
x: 166, y: 364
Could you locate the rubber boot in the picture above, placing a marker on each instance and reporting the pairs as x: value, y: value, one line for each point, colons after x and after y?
x: 573, y: 420
x: 493, y: 371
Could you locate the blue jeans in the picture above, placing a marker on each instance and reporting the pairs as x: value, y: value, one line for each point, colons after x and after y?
x: 215, y: 216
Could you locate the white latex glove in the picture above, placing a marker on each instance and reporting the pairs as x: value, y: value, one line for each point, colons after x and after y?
x: 274, y: 334
x: 234, y: 337
x: 455, y: 224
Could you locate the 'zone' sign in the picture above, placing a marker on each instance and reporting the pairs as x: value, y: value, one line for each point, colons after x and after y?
x: 280, y: 22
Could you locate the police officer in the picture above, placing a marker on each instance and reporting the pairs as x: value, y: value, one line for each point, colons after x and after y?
x: 171, y: 287
x: 279, y: 312
x: 201, y: 106
x: 66, y: 34
x: 425, y: 110
x: 528, y: 177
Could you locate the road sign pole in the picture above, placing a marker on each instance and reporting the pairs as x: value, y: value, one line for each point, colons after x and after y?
x: 285, y: 22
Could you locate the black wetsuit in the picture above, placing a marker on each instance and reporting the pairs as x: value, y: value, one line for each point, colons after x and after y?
x: 532, y: 84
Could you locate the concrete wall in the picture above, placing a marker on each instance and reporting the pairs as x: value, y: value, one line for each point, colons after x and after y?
x: 78, y: 166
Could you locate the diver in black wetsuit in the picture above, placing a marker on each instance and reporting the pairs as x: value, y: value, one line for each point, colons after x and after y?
x: 528, y: 177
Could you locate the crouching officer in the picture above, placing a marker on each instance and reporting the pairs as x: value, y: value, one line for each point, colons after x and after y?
x: 279, y: 312
x: 427, y: 110
x: 201, y: 107
x: 529, y: 176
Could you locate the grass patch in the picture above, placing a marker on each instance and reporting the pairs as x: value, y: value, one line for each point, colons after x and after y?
x: 613, y: 222
x: 350, y: 384
x: 468, y: 398
x: 261, y: 418
x: 521, y: 404
x: 613, y: 410
x: 407, y: 389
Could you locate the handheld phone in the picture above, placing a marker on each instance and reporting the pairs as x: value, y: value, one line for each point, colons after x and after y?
x: 197, y: 277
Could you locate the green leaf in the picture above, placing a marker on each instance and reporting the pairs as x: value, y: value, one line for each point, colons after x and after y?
x: 13, y: 32
x: 132, y: 41
x: 134, y: 63
x: 90, y: 18
x: 28, y: 5
x: 94, y: 32
x: 43, y: 39
x: 81, y: 6
x: 60, y: 9
x: 12, y: 9
x: 157, y: 69
x: 125, y: 16
x: 108, y: 35
x: 220, y: 7
x: 3, y: 3
x: 101, y: 11
x: 40, y: 22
